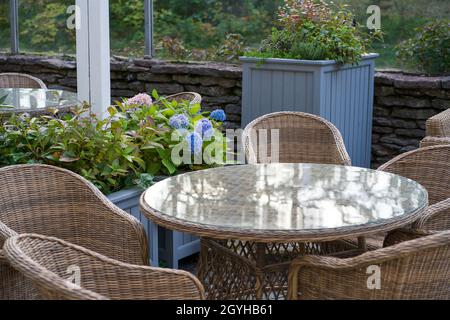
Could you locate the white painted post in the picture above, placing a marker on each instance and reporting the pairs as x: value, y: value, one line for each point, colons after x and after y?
x: 93, y: 55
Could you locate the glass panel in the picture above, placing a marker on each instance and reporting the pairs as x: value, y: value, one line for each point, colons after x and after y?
x: 211, y: 29
x: 399, y: 18
x: 286, y: 197
x: 127, y: 27
x: 43, y: 26
x: 5, y: 44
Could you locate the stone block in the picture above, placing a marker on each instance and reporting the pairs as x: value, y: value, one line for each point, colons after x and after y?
x: 405, y: 124
x: 151, y: 77
x: 393, y: 139
x: 403, y: 101
x: 380, y: 121
x: 383, y: 91
x: 446, y: 82
x: 164, y: 88
x: 215, y: 91
x: 411, y: 133
x: 222, y: 100
x: 233, y: 109
x: 381, y: 111
x: 57, y: 63
x: 200, y: 69
x: 417, y: 114
x: 441, y: 104
x: 383, y: 130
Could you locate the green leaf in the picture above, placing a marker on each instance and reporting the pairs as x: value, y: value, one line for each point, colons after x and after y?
x: 3, y: 99
x: 153, y: 110
x: 112, y: 111
x: 129, y: 158
x: 168, y: 112
x: 68, y: 157
x: 195, y: 109
x: 152, y: 145
x: 155, y: 94
x: 169, y: 165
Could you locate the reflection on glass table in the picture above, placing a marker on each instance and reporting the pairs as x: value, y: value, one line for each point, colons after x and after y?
x: 18, y: 100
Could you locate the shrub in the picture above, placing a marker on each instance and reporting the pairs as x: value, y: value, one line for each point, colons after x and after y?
x: 313, y: 30
x: 229, y: 51
x: 129, y: 147
x: 429, y: 50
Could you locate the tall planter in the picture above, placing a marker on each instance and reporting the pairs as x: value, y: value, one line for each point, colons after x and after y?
x: 165, y: 245
x: 342, y: 94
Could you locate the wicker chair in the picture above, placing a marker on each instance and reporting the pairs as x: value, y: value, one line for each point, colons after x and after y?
x: 19, y: 80
x: 416, y: 269
x: 303, y: 138
x: 49, y: 262
x: 192, y: 97
x: 56, y: 202
x: 430, y: 166
x: 438, y: 130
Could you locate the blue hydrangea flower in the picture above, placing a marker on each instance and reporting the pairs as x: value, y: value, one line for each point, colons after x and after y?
x: 204, y: 128
x: 179, y: 121
x: 218, y: 115
x: 195, y: 142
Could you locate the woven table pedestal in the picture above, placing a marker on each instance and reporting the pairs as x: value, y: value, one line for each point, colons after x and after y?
x: 242, y: 270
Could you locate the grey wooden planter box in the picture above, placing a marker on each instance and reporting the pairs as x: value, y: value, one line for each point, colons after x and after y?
x: 342, y: 94
x: 167, y: 245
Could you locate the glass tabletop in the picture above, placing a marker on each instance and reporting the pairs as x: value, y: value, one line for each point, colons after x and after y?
x: 279, y: 198
x: 30, y: 100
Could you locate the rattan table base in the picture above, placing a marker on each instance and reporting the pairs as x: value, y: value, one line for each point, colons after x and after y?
x: 240, y: 270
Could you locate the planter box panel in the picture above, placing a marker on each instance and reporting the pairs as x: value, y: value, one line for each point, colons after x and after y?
x: 340, y: 94
x: 176, y: 246
x: 128, y: 200
x: 348, y: 105
x: 164, y: 244
x: 275, y: 90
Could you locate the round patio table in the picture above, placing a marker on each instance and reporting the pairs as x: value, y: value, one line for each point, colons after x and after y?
x: 254, y: 219
x: 36, y: 101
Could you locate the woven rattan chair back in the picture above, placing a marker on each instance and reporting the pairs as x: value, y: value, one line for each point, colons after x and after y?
x: 56, y: 202
x: 429, y: 166
x: 65, y: 271
x: 19, y: 80
x: 191, y: 97
x: 416, y: 269
x: 302, y: 138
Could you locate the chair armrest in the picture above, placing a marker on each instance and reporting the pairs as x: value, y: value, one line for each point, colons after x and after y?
x: 121, y: 281
x: 161, y: 284
x: 350, y: 275
x: 5, y: 233
x: 127, y: 282
x: 435, y: 218
x: 47, y: 260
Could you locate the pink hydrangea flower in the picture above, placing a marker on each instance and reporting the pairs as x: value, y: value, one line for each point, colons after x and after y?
x: 142, y: 99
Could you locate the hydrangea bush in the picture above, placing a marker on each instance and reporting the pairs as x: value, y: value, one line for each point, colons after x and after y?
x: 130, y: 146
